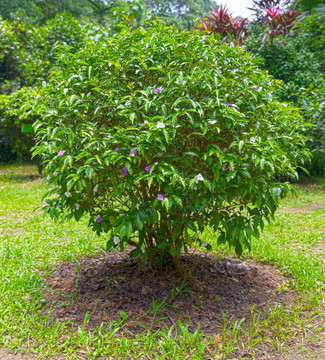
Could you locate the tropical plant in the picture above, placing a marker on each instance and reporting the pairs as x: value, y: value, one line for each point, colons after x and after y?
x: 157, y: 134
x: 279, y: 16
x: 222, y: 23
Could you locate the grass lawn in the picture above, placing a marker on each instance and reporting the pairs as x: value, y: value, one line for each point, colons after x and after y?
x: 35, y: 253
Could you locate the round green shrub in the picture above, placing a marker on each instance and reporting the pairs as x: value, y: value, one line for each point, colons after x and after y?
x: 157, y: 134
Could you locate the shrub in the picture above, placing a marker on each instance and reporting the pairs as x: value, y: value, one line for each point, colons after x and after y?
x: 15, y: 112
x: 312, y: 102
x: 157, y: 134
x: 299, y: 65
x: 26, y: 57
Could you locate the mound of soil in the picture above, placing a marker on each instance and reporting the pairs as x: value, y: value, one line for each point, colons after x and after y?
x: 105, y: 285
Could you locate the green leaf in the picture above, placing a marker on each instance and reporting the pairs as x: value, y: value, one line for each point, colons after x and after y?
x: 138, y: 222
x: 176, y: 232
x: 172, y: 250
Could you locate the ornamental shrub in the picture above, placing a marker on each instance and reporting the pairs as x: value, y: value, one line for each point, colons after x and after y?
x: 157, y: 134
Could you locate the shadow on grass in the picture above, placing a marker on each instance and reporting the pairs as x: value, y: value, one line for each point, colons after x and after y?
x: 18, y: 174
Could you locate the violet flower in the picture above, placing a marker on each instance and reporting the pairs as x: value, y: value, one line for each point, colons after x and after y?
x: 228, y: 103
x: 147, y: 168
x: 157, y: 90
x: 99, y: 219
x: 60, y: 153
x: 160, y: 197
x: 125, y: 171
x: 255, y: 87
x: 116, y: 149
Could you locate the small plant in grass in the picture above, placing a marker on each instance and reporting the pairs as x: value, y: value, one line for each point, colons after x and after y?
x: 157, y: 134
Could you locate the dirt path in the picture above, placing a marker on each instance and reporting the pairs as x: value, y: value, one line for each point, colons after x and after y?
x: 6, y: 355
x: 305, y: 208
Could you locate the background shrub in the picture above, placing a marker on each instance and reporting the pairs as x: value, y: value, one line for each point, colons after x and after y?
x: 15, y: 111
x: 157, y: 134
x: 298, y: 62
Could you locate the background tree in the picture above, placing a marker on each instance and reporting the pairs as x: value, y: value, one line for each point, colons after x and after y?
x: 181, y: 13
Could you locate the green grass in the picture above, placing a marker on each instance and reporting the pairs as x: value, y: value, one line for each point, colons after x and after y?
x: 31, y: 245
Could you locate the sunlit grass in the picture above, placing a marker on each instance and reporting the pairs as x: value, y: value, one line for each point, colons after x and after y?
x: 31, y: 245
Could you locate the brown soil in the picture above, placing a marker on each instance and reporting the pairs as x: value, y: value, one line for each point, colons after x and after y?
x: 105, y: 285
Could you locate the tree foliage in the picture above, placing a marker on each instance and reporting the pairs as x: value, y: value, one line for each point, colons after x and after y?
x: 181, y: 13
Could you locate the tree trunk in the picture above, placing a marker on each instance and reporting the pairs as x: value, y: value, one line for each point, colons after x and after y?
x: 178, y: 264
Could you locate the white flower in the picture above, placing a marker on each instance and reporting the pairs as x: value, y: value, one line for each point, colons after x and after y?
x: 160, y: 125
x: 199, y: 178
x: 146, y: 122
x: 156, y: 163
x: 46, y: 143
x: 159, y: 154
x: 67, y: 194
x: 143, y: 249
x: 55, y: 173
x: 137, y: 206
x: 258, y: 124
x: 212, y: 121
x: 48, y: 177
x: 116, y: 240
x: 77, y: 206
x: 204, y: 244
x: 96, y: 188
x: 197, y: 236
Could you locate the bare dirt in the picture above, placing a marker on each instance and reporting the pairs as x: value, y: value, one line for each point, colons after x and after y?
x: 305, y: 208
x: 111, y: 283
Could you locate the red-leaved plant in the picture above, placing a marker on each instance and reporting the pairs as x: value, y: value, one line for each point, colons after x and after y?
x: 280, y: 16
x: 221, y: 22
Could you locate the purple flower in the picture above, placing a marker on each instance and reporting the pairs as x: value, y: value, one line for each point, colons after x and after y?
x: 125, y: 171
x: 60, y: 153
x: 255, y: 87
x: 160, y: 197
x: 157, y: 90
x: 116, y: 149
x: 70, y: 125
x: 99, y: 219
x: 147, y: 168
x: 228, y: 103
